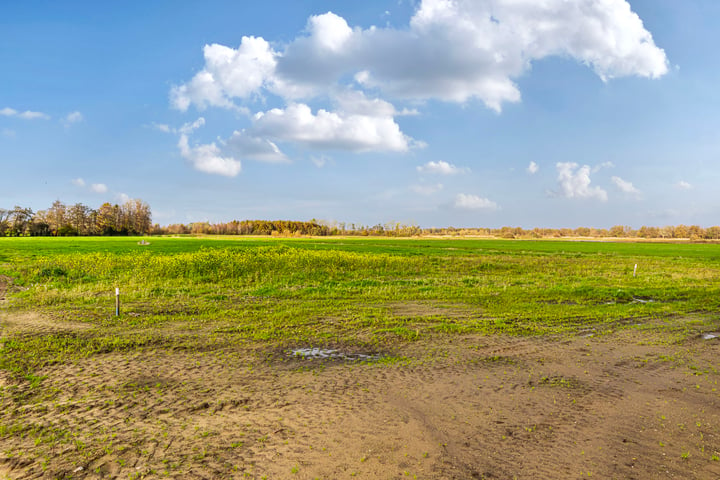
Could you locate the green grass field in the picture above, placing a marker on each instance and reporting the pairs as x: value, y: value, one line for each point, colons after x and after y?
x: 243, y: 303
x: 360, y: 290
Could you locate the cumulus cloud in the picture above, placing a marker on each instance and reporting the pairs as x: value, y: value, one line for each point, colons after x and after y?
x: 228, y: 73
x: 340, y: 130
x: 683, y: 185
x: 533, y: 168
x: 98, y: 188
x: 27, y: 114
x: 450, y: 50
x: 78, y: 182
x: 475, y: 50
x: 207, y: 158
x: 474, y: 202
x: 440, y: 168
x: 625, y: 186
x: 574, y: 182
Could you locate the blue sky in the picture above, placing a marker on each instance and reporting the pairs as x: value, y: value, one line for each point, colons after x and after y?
x: 439, y: 113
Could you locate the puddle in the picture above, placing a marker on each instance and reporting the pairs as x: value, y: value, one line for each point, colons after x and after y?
x: 330, y: 354
x: 710, y: 336
x: 642, y: 300
x: 634, y: 300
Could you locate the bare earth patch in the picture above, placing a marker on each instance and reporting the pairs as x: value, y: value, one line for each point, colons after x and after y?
x: 625, y: 405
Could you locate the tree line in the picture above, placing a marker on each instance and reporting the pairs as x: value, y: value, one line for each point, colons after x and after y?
x: 394, y: 229
x: 134, y: 218
x: 131, y: 218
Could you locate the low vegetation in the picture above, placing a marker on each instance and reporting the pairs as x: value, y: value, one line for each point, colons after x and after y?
x: 355, y: 291
x: 197, y: 373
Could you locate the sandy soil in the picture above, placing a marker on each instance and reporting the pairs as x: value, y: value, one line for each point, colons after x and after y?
x: 625, y: 405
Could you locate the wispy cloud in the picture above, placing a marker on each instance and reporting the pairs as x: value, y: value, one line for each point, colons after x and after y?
x: 474, y: 202
x: 625, y: 186
x: 597, y: 168
x: 72, y: 117
x: 426, y: 189
x: 94, y: 187
x: 683, y: 185
x: 441, y: 168
x: 98, y: 188
x: 27, y: 114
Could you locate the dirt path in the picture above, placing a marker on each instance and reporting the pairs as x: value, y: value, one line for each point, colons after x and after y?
x: 628, y: 405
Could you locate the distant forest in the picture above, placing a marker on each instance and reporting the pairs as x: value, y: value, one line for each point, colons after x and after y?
x: 134, y: 217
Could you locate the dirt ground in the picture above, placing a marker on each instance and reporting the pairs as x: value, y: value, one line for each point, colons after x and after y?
x: 622, y: 405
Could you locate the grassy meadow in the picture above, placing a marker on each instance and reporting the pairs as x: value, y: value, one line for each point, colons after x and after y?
x: 365, y: 292
x: 196, y: 377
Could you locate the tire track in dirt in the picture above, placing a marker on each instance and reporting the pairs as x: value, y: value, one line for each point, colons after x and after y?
x: 461, y: 407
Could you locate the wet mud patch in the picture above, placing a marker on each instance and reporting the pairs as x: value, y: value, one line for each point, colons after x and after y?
x: 314, y: 353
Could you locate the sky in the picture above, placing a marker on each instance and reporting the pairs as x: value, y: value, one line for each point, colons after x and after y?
x: 464, y: 113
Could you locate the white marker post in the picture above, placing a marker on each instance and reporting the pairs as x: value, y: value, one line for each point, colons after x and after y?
x: 635, y: 270
x: 117, y: 302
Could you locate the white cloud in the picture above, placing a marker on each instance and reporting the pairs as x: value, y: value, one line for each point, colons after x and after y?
x: 73, y: 117
x: 95, y: 187
x: 6, y: 132
x: 440, y: 168
x: 597, y: 168
x: 451, y: 50
x: 474, y: 202
x: 123, y: 198
x: 624, y: 186
x: 27, y: 115
x: 188, y: 128
x: 683, y: 185
x: 329, y: 31
x: 575, y: 182
x: 533, y: 168
x: 229, y: 73
x: 162, y: 127
x: 427, y: 189
x: 331, y: 130
x: 207, y: 158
